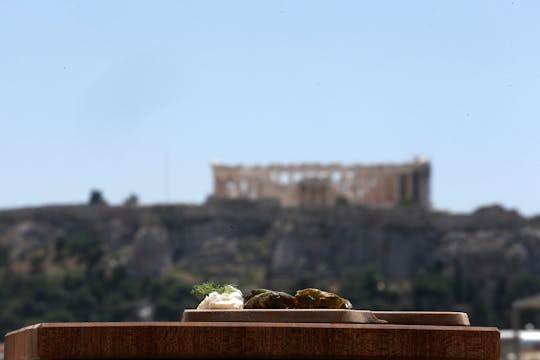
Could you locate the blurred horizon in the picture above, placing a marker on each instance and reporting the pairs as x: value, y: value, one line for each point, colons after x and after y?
x: 133, y: 97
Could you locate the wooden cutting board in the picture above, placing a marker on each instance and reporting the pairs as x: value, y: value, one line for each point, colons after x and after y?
x: 424, y: 317
x: 283, y: 316
x: 328, y: 316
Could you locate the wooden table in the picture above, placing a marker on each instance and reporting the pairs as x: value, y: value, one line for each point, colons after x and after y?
x: 178, y: 340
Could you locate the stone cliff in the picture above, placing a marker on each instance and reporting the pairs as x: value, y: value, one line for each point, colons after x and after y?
x: 99, y: 263
x: 259, y: 244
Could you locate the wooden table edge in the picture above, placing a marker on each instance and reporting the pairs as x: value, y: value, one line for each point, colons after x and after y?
x: 28, y: 343
x: 246, y: 324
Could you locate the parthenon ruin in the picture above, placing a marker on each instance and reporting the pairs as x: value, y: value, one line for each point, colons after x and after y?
x: 381, y: 185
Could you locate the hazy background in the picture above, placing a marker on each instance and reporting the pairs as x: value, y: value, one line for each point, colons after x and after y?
x: 139, y: 97
x: 134, y: 96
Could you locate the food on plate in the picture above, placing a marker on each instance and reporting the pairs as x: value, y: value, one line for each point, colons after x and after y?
x: 254, y: 292
x: 269, y: 300
x: 218, y: 297
x: 228, y: 297
x: 317, y: 299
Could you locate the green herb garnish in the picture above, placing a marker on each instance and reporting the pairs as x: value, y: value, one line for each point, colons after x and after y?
x: 204, y: 289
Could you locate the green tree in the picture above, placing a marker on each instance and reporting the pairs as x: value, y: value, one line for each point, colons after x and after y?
x: 366, y: 288
x: 4, y: 256
x: 432, y: 291
x: 96, y: 198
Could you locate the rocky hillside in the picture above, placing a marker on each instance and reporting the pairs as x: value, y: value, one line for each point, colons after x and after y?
x: 399, y: 258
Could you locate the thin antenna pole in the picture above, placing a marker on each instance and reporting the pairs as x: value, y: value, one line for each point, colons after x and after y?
x: 167, y: 177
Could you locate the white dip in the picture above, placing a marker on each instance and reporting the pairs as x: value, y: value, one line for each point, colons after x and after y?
x: 215, y: 301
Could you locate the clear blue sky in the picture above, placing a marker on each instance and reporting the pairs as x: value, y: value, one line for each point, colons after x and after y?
x: 129, y: 96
